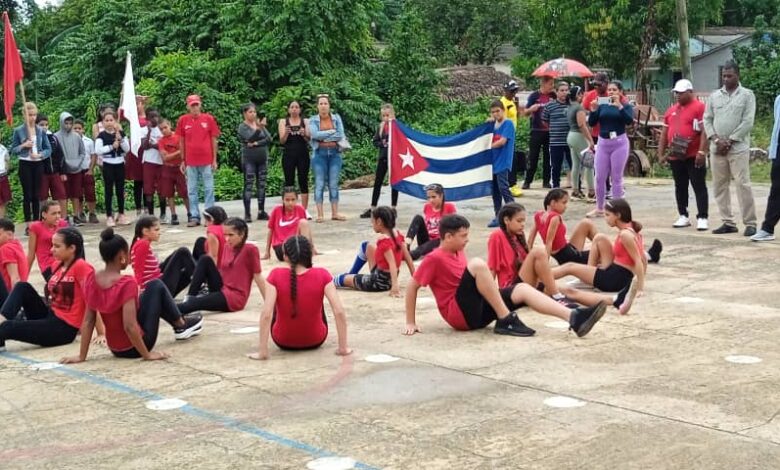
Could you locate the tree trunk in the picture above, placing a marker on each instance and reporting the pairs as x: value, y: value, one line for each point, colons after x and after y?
x: 646, y: 51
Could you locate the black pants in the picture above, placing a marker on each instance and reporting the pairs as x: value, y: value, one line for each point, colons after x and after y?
x: 199, y: 248
x: 41, y: 327
x: 205, y: 272
x: 379, y: 179
x: 558, y: 154
x: 255, y: 176
x: 518, y: 165
x: 149, y: 204
x: 30, y: 176
x: 297, y: 161
x: 154, y: 303
x: 177, y: 270
x: 773, y: 202
x: 684, y: 172
x: 114, y: 183
x: 539, y: 143
x: 418, y: 230
x: 138, y: 193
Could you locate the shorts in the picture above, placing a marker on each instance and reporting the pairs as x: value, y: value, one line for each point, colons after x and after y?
x: 52, y: 184
x: 152, y: 174
x: 569, y: 254
x: 5, y: 190
x: 279, y: 250
x: 133, y: 168
x: 377, y: 281
x: 74, y: 187
x: 613, y: 278
x: 476, y: 310
x: 89, y: 187
x: 172, y: 181
x: 303, y: 347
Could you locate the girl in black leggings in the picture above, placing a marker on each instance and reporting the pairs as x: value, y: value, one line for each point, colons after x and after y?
x: 294, y: 136
x: 55, y: 319
x: 380, y: 141
x: 132, y: 323
x: 175, y: 271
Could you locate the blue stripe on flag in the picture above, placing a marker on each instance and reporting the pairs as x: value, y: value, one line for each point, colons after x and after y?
x: 445, y: 141
x: 462, y: 164
x: 472, y: 191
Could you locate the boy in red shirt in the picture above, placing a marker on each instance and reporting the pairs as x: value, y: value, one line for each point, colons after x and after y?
x: 468, y: 298
x: 13, y: 260
x: 172, y: 181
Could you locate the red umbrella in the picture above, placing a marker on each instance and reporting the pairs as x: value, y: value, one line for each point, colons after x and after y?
x: 557, y: 68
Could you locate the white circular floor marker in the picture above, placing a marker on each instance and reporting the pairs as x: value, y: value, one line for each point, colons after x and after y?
x: 563, y: 402
x: 558, y: 325
x: 45, y: 366
x: 252, y: 242
x: 740, y: 359
x: 331, y: 463
x: 245, y: 330
x: 165, y: 404
x: 174, y: 230
x: 690, y: 300
x: 381, y: 358
x: 329, y: 252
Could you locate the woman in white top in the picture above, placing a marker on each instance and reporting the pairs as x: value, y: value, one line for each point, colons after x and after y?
x: 110, y: 146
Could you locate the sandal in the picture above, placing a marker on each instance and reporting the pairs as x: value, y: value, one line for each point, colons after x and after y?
x: 320, y: 220
x: 338, y: 217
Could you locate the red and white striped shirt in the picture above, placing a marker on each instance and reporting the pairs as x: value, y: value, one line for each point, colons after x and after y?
x: 146, y: 267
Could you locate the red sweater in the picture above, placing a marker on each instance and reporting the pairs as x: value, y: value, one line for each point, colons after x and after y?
x: 146, y: 267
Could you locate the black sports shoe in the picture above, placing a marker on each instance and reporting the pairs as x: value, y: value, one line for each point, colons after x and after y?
x: 512, y: 326
x: 749, y: 231
x: 193, y: 324
x: 583, y: 318
x: 2, y: 346
x: 262, y: 215
x: 174, y: 219
x: 248, y: 218
x: 725, y: 228
x: 366, y: 214
x: 655, y: 251
x: 621, y: 296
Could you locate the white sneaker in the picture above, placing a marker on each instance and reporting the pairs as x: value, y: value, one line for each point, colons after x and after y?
x: 110, y: 222
x: 683, y: 221
x: 702, y: 224
x: 763, y: 236
x: 164, y: 220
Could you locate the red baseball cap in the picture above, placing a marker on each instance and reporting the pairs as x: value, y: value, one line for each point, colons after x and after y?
x: 193, y: 99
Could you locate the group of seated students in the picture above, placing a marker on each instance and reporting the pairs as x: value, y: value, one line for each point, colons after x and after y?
x: 219, y: 272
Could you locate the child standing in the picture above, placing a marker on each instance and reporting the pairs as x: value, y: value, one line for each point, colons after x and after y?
x: 293, y: 311
x: 88, y: 174
x: 381, y: 139
x: 5, y: 185
x: 73, y: 156
x: 152, y: 162
x: 111, y: 146
x: 425, y: 228
x: 175, y: 272
x: 172, y: 180
x: 53, y: 182
x: 503, y: 148
x: 287, y: 219
x: 131, y: 321
x: 40, y: 241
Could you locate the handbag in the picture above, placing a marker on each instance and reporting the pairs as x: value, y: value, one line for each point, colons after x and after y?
x: 679, y: 147
x: 344, y: 144
x: 588, y: 158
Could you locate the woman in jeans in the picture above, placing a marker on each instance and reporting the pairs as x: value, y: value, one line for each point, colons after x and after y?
x: 255, y: 140
x: 31, y: 153
x: 294, y: 136
x: 326, y: 131
x: 579, y: 139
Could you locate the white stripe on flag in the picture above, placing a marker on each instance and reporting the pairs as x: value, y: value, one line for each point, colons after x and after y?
x: 455, y: 152
x: 454, y: 180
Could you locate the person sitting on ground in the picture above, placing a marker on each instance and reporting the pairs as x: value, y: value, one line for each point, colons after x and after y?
x: 287, y: 219
x: 13, y: 261
x: 175, y: 271
x: 383, y: 256
x: 425, y: 228
x: 213, y: 243
x: 293, y: 312
x: 41, y: 233
x: 132, y: 321
x: 468, y: 298
x: 549, y: 225
x: 229, y: 285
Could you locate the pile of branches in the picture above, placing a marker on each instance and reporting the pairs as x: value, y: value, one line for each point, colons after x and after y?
x: 473, y: 82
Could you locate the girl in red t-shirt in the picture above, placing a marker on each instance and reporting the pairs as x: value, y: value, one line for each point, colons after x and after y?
x: 230, y: 284
x: 293, y: 312
x: 511, y: 261
x: 41, y: 233
x: 286, y: 220
x: 214, y: 241
x: 425, y: 228
x: 132, y: 323
x: 383, y: 256
x: 552, y: 230
x: 175, y: 271
x: 55, y: 320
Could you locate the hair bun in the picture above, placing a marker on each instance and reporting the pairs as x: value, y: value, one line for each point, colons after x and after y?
x: 107, y: 234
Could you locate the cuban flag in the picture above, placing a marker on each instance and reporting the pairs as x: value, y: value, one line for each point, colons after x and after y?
x: 461, y: 163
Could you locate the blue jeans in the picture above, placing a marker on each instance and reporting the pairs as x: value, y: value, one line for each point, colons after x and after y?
x: 501, y: 190
x: 327, y: 167
x: 194, y: 175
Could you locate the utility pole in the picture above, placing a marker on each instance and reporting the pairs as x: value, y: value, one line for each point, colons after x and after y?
x: 682, y: 29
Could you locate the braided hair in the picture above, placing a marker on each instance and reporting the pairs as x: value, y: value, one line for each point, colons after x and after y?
x: 298, y: 251
x: 508, y: 211
x: 387, y: 216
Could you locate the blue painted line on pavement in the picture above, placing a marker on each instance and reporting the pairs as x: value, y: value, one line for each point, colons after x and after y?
x: 226, y: 422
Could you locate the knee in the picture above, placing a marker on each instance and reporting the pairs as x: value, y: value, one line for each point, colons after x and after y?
x: 536, y: 252
x: 476, y: 265
x: 600, y: 237
x: 303, y: 225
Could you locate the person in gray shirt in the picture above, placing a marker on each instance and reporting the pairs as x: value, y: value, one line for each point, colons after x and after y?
x: 255, y: 140
x: 728, y: 120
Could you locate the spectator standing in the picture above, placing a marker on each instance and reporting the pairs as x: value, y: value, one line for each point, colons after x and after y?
x: 327, y: 134
x: 772, y: 216
x: 540, y: 133
x: 511, y: 109
x: 556, y: 115
x: 255, y: 140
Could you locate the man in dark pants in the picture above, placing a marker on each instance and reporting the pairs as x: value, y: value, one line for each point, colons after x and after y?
x: 772, y: 216
x: 540, y: 133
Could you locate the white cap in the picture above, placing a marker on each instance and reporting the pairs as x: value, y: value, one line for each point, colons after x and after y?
x: 682, y: 86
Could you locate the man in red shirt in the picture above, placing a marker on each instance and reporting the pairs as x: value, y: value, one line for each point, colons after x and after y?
x: 683, y: 126
x: 199, y: 133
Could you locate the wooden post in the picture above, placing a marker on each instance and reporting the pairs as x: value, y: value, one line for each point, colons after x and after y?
x: 682, y: 29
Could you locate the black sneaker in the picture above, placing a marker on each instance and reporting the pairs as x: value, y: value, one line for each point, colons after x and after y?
x: 93, y: 218
x: 621, y: 296
x: 512, y: 326
x: 366, y: 214
x: 526, y: 186
x: 78, y: 221
x: 174, y: 219
x: 583, y: 318
x: 2, y: 345
x: 655, y: 251
x: 193, y: 324
x: 725, y: 228
x: 248, y: 218
x: 262, y: 215
x: 749, y: 231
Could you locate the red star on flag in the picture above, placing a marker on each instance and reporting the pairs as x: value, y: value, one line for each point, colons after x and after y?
x: 405, y: 160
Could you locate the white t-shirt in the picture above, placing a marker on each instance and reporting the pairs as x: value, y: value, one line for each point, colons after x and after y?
x: 3, y: 159
x: 89, y: 149
x: 152, y: 155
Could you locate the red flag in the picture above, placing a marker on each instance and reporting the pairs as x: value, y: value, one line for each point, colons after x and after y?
x: 12, y: 70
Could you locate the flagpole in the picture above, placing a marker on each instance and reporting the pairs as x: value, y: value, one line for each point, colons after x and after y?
x: 30, y: 129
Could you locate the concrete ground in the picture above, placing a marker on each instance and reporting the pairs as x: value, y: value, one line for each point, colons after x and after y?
x: 655, y: 388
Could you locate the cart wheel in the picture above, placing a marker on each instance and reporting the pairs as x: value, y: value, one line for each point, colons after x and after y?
x: 634, y: 165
